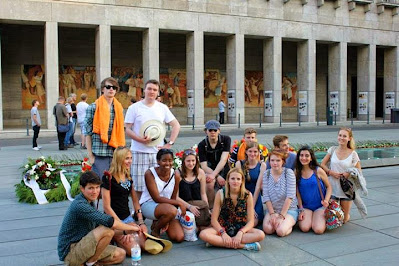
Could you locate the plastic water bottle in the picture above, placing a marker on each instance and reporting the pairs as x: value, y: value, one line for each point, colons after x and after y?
x: 136, y: 250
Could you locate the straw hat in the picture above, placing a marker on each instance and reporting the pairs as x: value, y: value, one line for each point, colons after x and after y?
x: 155, y: 245
x: 155, y: 130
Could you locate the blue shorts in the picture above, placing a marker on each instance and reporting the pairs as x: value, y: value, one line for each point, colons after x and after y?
x: 128, y: 220
x: 293, y: 213
x: 340, y: 199
x: 82, y: 128
x: 148, y: 209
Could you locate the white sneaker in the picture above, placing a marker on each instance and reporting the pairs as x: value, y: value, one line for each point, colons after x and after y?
x: 39, y: 147
x: 36, y: 149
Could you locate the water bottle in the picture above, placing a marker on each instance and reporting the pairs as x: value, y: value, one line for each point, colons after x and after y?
x: 136, y: 250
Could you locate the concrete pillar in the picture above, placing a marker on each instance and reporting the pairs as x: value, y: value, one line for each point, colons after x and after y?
x: 366, y: 77
x: 272, y: 68
x: 51, y: 70
x: 1, y: 90
x: 195, y: 74
x: 391, y: 80
x: 307, y: 76
x: 337, y: 76
x: 151, y: 54
x: 235, y: 77
x: 103, y: 54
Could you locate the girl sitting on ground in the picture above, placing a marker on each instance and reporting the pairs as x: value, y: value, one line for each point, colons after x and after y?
x: 233, y: 217
x: 192, y: 188
x: 279, y: 194
x: 253, y: 169
x: 311, y: 205
x: 158, y: 200
x: 117, y: 186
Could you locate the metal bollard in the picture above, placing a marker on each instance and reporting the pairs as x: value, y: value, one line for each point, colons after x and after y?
x: 216, y: 117
x: 260, y: 120
x: 383, y: 118
x: 368, y: 117
x: 335, y: 117
x: 317, y: 118
x: 27, y: 126
x: 239, y: 122
x: 280, y: 119
x: 193, y: 121
x: 299, y: 119
x: 351, y: 118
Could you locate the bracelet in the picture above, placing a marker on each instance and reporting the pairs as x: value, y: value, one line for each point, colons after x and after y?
x: 281, y: 216
x: 272, y: 213
x: 221, y: 232
x: 301, y: 210
x: 242, y: 231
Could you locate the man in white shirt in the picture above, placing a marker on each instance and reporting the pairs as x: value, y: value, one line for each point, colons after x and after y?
x: 36, y: 123
x: 144, y: 156
x: 81, y: 112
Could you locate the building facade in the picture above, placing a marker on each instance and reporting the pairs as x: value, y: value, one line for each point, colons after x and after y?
x: 266, y: 59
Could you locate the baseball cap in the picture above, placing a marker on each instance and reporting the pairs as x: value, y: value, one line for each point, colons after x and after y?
x: 212, y: 124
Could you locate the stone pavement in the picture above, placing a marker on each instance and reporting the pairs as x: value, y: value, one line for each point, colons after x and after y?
x: 28, y: 233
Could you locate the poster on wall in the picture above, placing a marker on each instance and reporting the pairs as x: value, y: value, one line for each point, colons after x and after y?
x: 215, y: 87
x: 303, y: 102
x: 253, y: 89
x: 231, y: 104
x: 32, y: 84
x: 334, y: 102
x: 268, y: 103
x: 130, y: 80
x: 363, y: 103
x: 78, y: 80
x: 288, y: 90
x: 389, y: 102
x: 190, y: 103
x: 173, y: 86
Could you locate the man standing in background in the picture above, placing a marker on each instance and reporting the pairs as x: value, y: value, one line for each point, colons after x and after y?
x: 36, y: 123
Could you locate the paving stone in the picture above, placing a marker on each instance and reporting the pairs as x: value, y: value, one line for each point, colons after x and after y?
x: 315, y: 263
x: 389, y: 189
x: 382, y: 183
x: 379, y: 222
x: 31, y: 259
x: 14, y: 215
x: 382, y: 196
x: 393, y: 231
x: 231, y: 260
x: 29, y: 233
x: 28, y: 246
x: 381, y: 256
x: 349, y: 244
x: 373, y: 211
x: 29, y: 223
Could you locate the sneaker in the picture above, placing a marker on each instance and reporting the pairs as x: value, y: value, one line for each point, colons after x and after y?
x: 36, y: 149
x: 255, y: 246
x: 39, y: 147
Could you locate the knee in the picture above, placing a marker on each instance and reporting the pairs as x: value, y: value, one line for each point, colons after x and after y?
x: 179, y: 238
x: 281, y: 232
x: 119, y: 255
x: 203, y: 236
x: 319, y: 230
x: 304, y: 228
x: 268, y: 229
x: 260, y: 235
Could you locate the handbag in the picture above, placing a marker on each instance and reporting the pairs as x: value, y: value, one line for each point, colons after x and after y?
x: 204, y: 219
x: 333, y: 213
x: 63, y: 128
x: 347, y: 187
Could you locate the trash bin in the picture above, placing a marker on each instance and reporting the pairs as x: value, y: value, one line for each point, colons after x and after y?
x: 395, y: 115
x: 329, y: 117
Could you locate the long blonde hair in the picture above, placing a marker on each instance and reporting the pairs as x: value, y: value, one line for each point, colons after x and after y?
x: 351, y: 144
x: 117, y: 168
x: 245, y: 167
x: 242, y: 187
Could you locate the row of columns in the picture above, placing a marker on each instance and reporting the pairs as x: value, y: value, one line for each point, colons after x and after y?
x: 235, y: 68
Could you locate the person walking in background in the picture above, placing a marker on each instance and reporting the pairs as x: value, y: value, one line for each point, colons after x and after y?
x: 81, y: 113
x: 221, y: 111
x: 36, y: 123
x: 104, y: 127
x: 61, y: 117
x: 74, y: 119
x: 67, y: 140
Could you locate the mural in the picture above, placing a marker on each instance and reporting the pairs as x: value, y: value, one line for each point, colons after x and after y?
x: 173, y: 89
x: 288, y: 90
x: 131, y: 84
x: 78, y: 79
x: 215, y: 87
x: 253, y: 89
x: 32, y: 80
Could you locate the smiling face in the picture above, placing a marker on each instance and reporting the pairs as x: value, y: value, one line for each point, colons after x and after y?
x: 90, y: 191
x: 343, y: 137
x: 252, y: 153
x: 276, y: 162
x: 128, y: 160
x: 190, y: 162
x: 284, y: 146
x: 235, y: 181
x: 305, y: 158
x: 166, y: 161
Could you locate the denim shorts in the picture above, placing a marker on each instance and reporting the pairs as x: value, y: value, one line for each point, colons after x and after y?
x: 293, y: 213
x: 148, y: 209
x: 340, y: 199
x: 128, y: 220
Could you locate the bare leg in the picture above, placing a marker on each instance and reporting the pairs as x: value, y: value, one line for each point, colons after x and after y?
x: 175, y: 231
x: 346, y: 208
x: 211, y: 236
x: 210, y: 193
x: 285, y: 228
x: 319, y: 222
x: 267, y: 225
x: 165, y: 213
x: 306, y: 223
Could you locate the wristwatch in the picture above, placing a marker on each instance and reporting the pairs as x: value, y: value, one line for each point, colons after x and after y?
x: 171, y: 142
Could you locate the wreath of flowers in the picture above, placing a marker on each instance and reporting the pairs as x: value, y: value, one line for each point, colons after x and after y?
x: 46, y: 173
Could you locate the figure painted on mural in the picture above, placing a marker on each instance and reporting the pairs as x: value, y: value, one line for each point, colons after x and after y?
x: 287, y: 89
x: 170, y: 93
x: 33, y: 81
x: 87, y: 79
x: 176, y: 91
x: 247, y: 90
x: 254, y: 88
x: 260, y: 89
x: 132, y: 86
x: 68, y: 78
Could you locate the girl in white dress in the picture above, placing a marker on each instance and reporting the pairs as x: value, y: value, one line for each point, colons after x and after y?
x: 341, y: 158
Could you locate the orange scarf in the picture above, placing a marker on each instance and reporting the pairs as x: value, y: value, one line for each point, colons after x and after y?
x: 101, y: 122
x: 241, y: 151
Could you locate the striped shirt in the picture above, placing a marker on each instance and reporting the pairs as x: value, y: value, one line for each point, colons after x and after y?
x: 97, y: 146
x: 277, y: 192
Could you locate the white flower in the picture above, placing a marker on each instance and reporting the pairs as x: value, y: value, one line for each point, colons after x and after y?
x: 194, y: 147
x: 40, y: 163
x: 42, y: 157
x: 26, y: 166
x: 32, y: 172
x: 48, y: 173
x: 36, y: 177
x: 49, y: 166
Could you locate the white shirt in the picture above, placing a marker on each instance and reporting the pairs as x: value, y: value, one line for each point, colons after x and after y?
x: 164, y: 190
x: 138, y: 113
x: 81, y: 111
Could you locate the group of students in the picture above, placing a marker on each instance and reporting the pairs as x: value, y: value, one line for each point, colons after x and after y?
x: 225, y: 192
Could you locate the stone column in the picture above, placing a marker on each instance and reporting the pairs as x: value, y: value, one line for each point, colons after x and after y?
x: 307, y: 76
x: 51, y: 70
x: 272, y: 54
x: 235, y: 77
x: 195, y: 74
x: 1, y: 90
x: 337, y: 77
x: 391, y: 80
x: 366, y: 77
x: 103, y: 54
x: 151, y: 54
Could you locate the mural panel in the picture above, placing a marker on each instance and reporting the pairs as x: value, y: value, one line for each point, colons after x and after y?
x: 253, y: 90
x: 289, y: 90
x: 32, y: 80
x: 173, y: 89
x: 215, y: 87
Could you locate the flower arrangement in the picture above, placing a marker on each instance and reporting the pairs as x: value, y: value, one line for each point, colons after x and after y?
x: 178, y: 157
x: 46, y: 173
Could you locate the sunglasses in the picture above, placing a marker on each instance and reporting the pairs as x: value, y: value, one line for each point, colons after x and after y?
x: 212, y: 130
x: 189, y: 152
x: 108, y: 87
